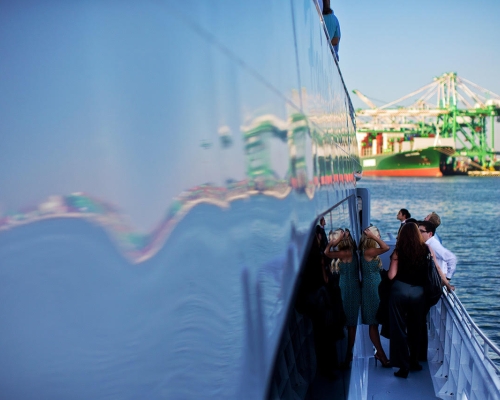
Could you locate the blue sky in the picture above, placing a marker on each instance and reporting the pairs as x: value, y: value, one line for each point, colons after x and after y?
x: 390, y: 48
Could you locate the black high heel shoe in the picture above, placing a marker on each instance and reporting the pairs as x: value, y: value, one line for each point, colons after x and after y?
x: 385, y: 364
x: 402, y: 373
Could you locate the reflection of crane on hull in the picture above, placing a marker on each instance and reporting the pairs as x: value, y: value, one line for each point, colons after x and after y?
x: 450, y: 114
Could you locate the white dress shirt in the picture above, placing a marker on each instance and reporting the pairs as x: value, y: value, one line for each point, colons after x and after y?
x: 438, y: 238
x: 445, y: 258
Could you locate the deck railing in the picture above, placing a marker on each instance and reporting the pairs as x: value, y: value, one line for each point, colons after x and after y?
x: 468, y: 369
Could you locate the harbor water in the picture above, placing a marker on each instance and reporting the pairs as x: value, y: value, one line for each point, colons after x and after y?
x: 470, y: 228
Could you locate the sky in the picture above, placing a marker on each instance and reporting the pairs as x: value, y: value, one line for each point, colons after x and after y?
x: 390, y: 48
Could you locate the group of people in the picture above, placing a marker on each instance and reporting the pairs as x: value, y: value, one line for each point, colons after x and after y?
x: 394, y: 298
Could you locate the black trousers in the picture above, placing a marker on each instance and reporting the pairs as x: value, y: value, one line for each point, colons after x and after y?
x: 407, y: 314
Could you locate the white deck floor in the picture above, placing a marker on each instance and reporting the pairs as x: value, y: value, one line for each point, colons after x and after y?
x: 382, y: 384
x: 366, y: 381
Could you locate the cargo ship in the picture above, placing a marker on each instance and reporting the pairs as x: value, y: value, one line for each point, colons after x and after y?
x: 388, y: 154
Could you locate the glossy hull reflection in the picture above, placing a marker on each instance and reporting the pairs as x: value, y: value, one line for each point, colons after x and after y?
x: 161, y: 170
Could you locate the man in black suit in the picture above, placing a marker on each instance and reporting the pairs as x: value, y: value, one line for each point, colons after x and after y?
x: 402, y: 216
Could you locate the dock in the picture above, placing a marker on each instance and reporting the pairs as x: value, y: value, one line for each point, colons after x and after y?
x: 484, y: 173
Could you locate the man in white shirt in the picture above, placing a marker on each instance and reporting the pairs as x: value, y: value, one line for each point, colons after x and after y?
x: 436, y: 220
x: 446, y: 259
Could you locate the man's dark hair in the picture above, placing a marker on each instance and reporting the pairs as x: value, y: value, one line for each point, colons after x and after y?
x: 405, y: 212
x: 411, y: 220
x: 428, y: 225
x: 326, y: 7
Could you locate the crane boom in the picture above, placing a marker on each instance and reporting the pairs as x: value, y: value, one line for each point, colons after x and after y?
x: 365, y: 99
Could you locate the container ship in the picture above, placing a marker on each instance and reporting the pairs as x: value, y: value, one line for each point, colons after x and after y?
x: 391, y: 155
x: 420, y: 158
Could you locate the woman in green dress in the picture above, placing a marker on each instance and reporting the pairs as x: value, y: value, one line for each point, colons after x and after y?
x: 348, y: 268
x: 371, y: 247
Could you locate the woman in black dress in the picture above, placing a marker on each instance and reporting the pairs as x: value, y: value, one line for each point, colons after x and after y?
x: 406, y: 302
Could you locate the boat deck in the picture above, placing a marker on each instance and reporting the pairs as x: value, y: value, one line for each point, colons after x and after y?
x: 379, y: 383
x: 382, y: 384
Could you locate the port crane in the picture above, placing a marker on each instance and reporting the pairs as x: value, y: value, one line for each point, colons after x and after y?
x: 448, y: 107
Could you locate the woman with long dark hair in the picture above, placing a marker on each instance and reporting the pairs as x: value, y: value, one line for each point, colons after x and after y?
x: 407, y: 302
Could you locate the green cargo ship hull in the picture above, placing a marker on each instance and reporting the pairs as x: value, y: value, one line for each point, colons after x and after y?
x: 429, y: 162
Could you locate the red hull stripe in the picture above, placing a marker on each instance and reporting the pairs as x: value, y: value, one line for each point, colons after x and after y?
x: 433, y: 172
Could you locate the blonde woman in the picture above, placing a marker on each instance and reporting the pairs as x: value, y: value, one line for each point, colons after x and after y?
x: 372, y: 246
x: 347, y: 265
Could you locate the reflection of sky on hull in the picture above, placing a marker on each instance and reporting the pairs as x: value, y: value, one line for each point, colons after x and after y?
x: 98, y: 103
x: 128, y: 142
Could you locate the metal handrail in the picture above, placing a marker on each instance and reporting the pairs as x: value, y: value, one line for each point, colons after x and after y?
x: 487, y: 345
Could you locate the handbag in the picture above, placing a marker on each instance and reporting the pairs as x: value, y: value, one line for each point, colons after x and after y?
x: 433, y: 286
